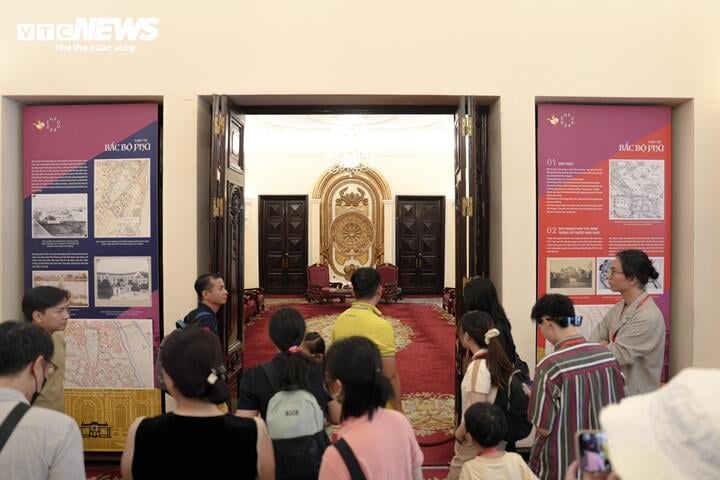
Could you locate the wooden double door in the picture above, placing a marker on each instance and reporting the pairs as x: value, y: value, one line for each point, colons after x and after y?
x: 283, y: 243
x: 420, y: 234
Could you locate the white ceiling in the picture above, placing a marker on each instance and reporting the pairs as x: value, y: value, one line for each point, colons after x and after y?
x: 375, y: 134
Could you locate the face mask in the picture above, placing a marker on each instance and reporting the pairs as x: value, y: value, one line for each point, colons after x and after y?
x: 37, y: 391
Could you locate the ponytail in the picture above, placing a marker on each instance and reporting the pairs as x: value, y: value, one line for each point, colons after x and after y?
x: 481, y: 328
x: 498, y: 364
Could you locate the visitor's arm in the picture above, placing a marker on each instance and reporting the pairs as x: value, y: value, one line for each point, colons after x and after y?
x: 389, y: 369
x: 127, y: 456
x: 474, y: 397
x: 265, y: 455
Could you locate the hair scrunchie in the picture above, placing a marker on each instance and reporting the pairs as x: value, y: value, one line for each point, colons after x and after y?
x: 490, y: 334
x: 294, y: 349
x: 215, y: 373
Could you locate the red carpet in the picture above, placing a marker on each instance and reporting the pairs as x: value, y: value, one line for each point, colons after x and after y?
x: 425, y: 337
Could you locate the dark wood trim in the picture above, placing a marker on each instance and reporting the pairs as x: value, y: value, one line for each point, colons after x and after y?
x: 440, y: 284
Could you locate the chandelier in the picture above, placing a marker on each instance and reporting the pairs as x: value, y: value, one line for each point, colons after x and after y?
x: 349, y: 149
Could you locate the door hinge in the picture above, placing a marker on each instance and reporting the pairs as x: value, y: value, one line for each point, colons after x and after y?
x: 218, y: 207
x: 466, y: 206
x: 466, y: 126
x: 219, y: 124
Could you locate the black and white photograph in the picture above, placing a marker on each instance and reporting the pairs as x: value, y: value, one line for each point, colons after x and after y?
x: 59, y: 215
x: 571, y: 276
x: 74, y: 281
x: 122, y: 282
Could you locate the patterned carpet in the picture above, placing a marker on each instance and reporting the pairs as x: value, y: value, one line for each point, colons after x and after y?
x: 425, y: 337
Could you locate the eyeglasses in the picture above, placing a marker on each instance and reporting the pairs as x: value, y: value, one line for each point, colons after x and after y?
x: 575, y: 321
x: 613, y: 271
x: 50, y: 367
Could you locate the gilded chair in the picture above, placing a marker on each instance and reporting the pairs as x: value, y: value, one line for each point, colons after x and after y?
x: 389, y: 281
x: 320, y: 288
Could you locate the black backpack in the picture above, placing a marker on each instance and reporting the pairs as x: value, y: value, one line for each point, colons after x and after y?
x: 296, y: 457
x: 513, y: 401
x: 192, y: 318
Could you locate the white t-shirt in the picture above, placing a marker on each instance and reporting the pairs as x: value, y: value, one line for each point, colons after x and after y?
x: 477, y: 379
x: 45, y: 444
x: 510, y: 466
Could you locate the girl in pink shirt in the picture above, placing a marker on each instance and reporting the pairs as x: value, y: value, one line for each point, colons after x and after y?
x: 382, y: 441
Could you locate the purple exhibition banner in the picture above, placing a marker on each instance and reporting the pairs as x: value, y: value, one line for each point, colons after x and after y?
x: 91, y: 202
x: 603, y: 185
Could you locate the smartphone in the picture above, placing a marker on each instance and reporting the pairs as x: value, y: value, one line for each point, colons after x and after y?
x: 591, y: 451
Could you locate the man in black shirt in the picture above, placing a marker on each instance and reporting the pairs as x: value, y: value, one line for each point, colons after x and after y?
x: 210, y: 289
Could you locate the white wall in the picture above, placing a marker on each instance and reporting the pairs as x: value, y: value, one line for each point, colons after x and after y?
x: 517, y: 51
x: 297, y: 175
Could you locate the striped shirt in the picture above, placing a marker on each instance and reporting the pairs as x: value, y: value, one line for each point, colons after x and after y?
x: 571, y: 386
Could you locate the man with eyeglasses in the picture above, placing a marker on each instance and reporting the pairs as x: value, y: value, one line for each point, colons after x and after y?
x: 42, y: 444
x: 47, y: 307
x: 572, y: 385
x: 634, y: 328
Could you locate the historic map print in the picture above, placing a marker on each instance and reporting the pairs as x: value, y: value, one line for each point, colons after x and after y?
x: 122, y: 198
x: 109, y: 353
x: 637, y: 189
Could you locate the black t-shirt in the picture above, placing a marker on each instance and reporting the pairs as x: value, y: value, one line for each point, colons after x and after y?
x: 176, y: 446
x: 203, y: 316
x: 256, y: 391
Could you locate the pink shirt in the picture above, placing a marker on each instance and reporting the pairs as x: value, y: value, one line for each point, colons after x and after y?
x: 385, y: 447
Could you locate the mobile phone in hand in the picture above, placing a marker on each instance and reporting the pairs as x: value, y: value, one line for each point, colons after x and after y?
x: 591, y: 451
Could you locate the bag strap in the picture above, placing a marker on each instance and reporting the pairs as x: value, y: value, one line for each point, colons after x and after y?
x: 509, y: 386
x: 350, y: 460
x: 272, y: 375
x: 11, y: 422
x: 474, y: 374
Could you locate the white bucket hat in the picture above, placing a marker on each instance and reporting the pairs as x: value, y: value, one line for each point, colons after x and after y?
x: 672, y: 433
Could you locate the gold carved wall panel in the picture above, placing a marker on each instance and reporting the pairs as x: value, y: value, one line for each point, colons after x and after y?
x: 351, y: 220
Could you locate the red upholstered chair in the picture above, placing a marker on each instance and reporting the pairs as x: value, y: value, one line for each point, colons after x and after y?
x: 389, y: 280
x: 320, y: 288
x: 257, y: 294
x: 448, y: 302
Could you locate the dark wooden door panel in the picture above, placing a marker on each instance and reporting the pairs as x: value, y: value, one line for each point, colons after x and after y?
x: 283, y: 244
x: 419, y: 238
x: 226, y: 226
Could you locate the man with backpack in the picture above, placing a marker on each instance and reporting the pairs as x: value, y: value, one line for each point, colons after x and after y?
x: 212, y: 295
x: 35, y: 442
x: 571, y: 386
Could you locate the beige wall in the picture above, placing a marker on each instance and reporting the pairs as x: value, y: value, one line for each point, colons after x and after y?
x: 518, y: 51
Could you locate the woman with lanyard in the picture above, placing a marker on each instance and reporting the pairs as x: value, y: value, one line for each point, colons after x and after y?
x: 634, y: 329
x: 488, y: 370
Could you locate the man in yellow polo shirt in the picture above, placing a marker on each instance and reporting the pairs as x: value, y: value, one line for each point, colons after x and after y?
x: 365, y: 320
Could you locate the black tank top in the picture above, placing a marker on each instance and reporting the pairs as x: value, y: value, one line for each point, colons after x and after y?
x: 175, y: 446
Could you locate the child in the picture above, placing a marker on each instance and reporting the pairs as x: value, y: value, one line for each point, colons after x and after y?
x: 315, y: 345
x: 486, y: 425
